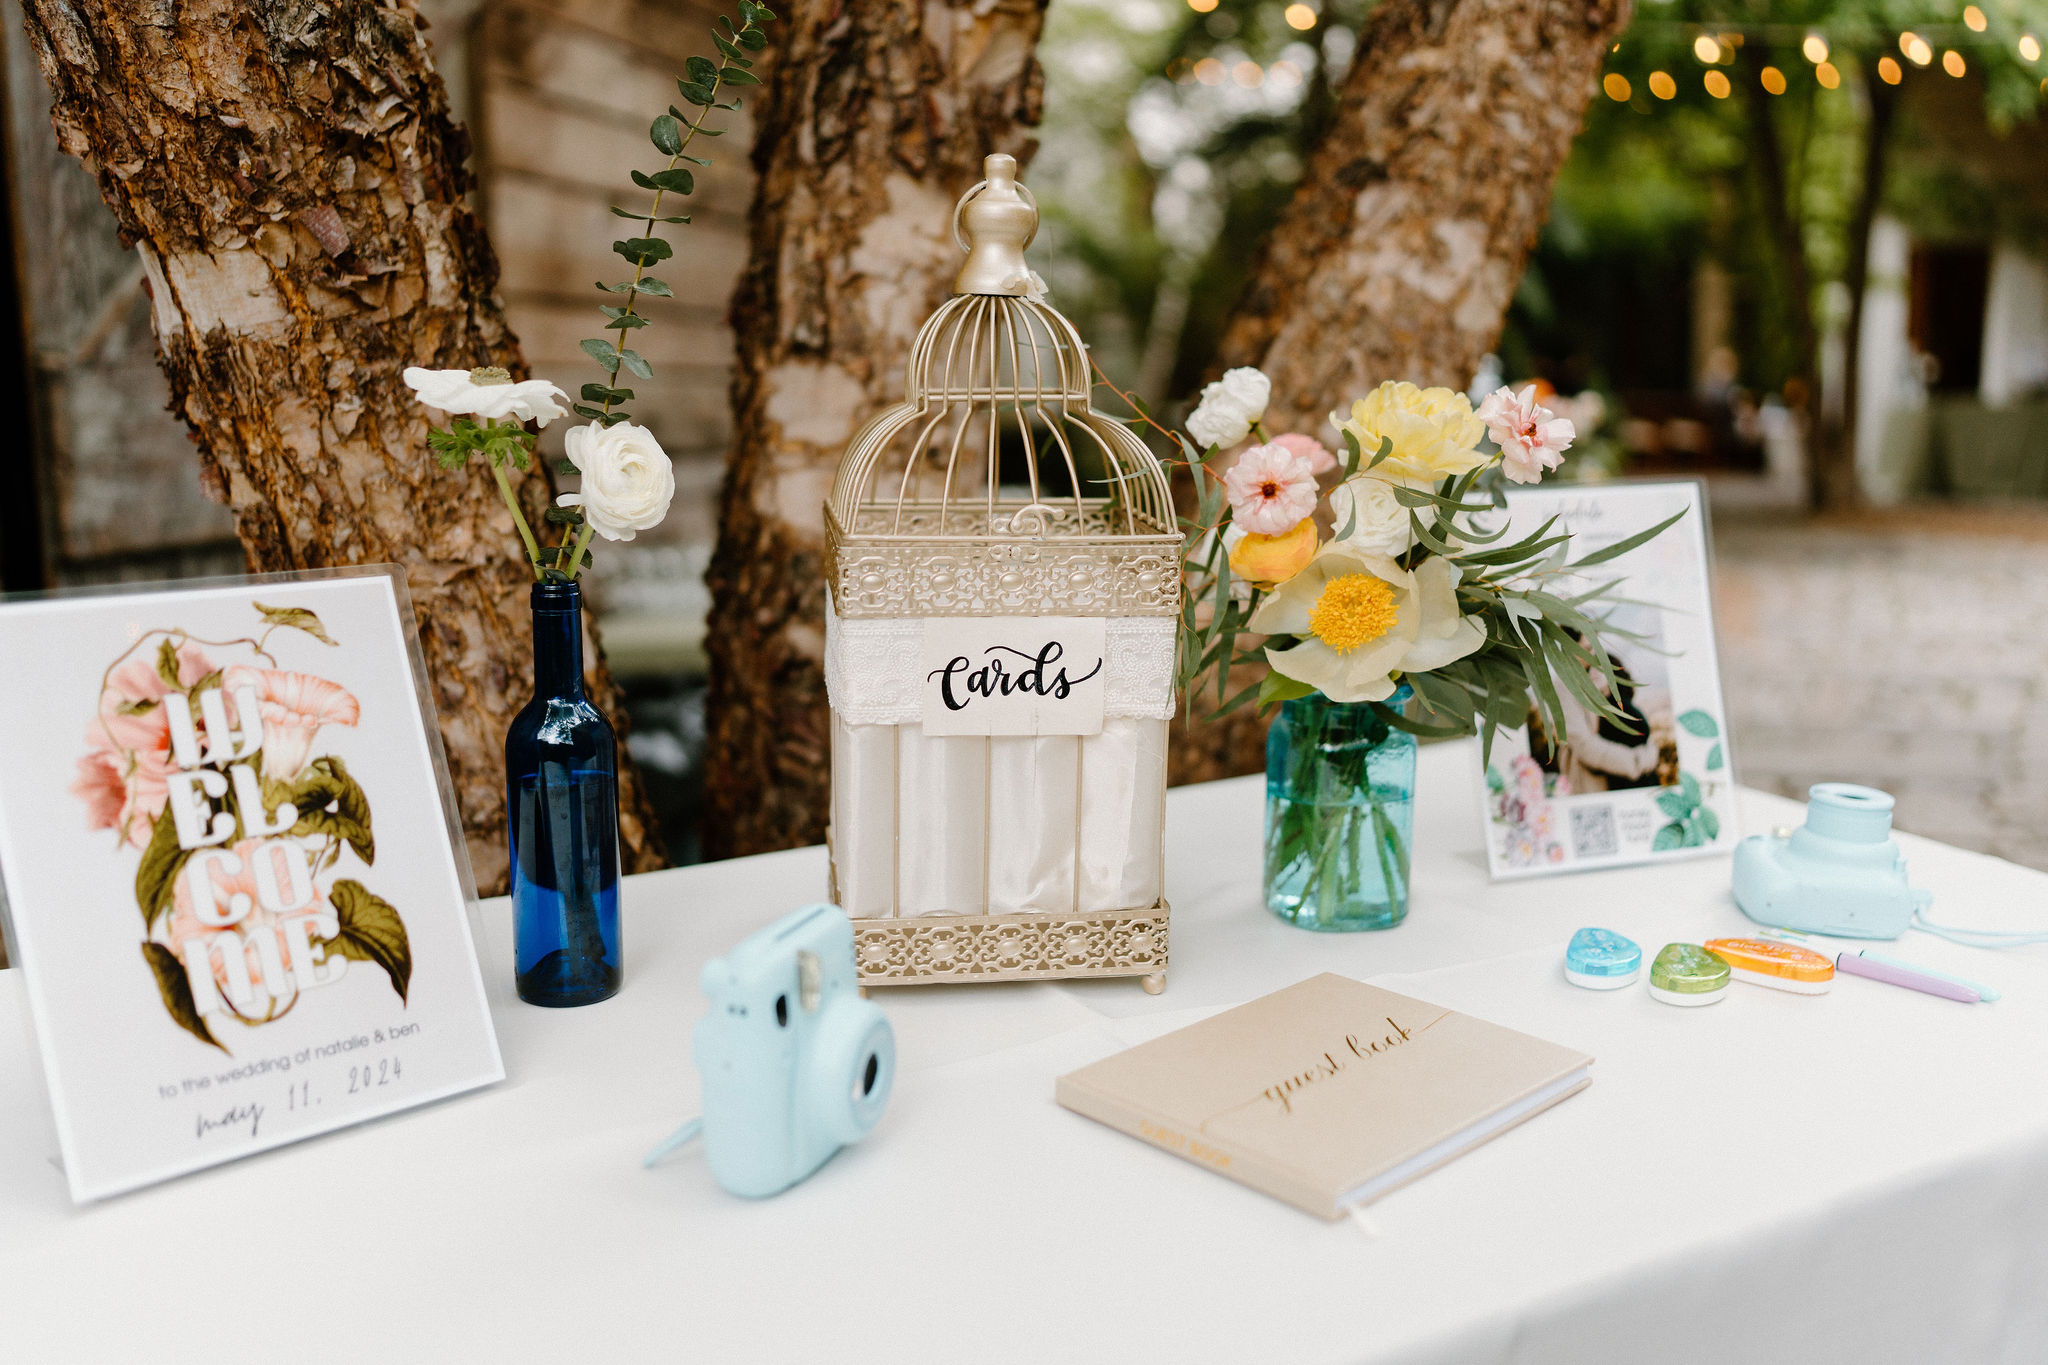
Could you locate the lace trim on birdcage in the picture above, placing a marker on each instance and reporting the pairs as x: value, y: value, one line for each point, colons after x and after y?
x: 874, y: 668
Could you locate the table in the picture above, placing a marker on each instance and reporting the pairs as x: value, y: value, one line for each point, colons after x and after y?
x: 1862, y: 1176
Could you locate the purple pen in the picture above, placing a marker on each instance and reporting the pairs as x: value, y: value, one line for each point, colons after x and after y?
x: 1900, y: 976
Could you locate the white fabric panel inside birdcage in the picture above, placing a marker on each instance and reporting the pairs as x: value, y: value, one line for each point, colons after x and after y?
x: 874, y: 668
x: 960, y: 825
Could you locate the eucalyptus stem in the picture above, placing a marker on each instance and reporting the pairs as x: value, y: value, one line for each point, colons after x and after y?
x: 582, y: 543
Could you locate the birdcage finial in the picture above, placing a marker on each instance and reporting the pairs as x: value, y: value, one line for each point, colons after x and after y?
x: 1000, y: 219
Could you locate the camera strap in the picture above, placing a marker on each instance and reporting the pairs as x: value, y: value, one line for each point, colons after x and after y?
x: 1977, y: 938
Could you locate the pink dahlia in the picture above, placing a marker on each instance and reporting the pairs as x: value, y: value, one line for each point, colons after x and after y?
x: 1271, y: 488
x: 1531, y: 437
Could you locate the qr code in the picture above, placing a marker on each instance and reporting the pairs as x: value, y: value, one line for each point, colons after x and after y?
x: 1593, y: 831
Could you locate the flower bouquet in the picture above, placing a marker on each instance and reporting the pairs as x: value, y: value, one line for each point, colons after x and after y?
x: 1387, y: 602
x: 561, y: 754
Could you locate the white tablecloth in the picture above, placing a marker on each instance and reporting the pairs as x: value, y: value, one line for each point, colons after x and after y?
x: 1861, y: 1176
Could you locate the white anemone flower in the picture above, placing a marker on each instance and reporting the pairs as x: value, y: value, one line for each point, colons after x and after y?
x: 487, y: 392
x: 1361, y: 618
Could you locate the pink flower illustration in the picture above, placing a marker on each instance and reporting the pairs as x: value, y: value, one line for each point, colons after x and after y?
x: 183, y: 924
x: 294, y: 706
x: 128, y: 756
x: 1531, y: 437
x: 1271, y: 489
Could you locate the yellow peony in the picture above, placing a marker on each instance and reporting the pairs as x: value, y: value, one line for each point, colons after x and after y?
x: 1362, y: 618
x: 1275, y: 559
x: 1436, y: 434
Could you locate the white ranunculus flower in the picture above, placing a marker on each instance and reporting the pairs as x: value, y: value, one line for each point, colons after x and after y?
x: 488, y: 393
x: 628, y: 481
x: 1375, y: 519
x: 1229, y: 406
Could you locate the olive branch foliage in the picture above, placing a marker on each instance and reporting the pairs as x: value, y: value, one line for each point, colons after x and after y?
x: 506, y: 441
x: 1543, y: 625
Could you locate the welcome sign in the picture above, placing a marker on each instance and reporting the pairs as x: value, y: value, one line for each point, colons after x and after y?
x: 1014, y: 675
x: 233, y: 881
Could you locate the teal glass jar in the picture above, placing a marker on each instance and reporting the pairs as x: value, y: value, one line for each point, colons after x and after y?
x: 1340, y: 811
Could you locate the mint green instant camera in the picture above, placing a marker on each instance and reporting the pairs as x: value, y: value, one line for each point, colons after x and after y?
x: 1841, y: 873
x: 795, y: 1063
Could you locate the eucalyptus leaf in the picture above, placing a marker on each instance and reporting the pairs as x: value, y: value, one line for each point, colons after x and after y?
x: 666, y: 134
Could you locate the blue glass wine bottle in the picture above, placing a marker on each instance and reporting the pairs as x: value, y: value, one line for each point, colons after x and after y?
x: 562, y: 820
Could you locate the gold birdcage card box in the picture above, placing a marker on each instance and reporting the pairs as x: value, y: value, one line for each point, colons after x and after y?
x: 1004, y: 591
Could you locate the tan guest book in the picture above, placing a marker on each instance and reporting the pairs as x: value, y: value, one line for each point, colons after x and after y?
x: 1328, y: 1093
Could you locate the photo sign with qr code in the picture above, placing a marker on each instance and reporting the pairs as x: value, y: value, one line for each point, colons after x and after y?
x: 1658, y: 782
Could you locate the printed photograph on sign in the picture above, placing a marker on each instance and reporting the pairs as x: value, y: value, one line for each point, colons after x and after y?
x: 233, y: 890
x: 1656, y: 782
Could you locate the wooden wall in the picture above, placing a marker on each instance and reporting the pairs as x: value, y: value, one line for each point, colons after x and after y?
x: 561, y: 93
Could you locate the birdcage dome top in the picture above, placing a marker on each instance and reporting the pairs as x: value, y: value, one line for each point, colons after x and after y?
x: 950, y: 500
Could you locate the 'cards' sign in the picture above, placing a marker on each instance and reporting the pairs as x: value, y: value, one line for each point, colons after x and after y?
x: 1013, y: 675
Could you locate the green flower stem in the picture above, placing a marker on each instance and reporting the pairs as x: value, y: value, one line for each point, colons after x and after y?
x: 518, y: 518
x: 653, y: 213
x: 576, y: 555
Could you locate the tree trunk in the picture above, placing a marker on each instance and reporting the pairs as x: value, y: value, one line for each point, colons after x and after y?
x: 1835, y: 454
x: 1788, y: 240
x: 292, y: 179
x: 1401, y: 249
x: 875, y: 119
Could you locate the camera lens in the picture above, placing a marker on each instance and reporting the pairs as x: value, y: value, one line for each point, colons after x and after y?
x: 851, y: 1061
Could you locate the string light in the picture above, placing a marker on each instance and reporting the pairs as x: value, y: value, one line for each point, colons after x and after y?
x: 1617, y: 87
x: 1662, y: 86
x: 1888, y: 70
x: 1916, y: 48
x: 1773, y: 80
x: 1285, y: 74
x: 1815, y: 48
x: 2030, y: 48
x: 1826, y: 74
x: 1201, y: 6
x: 1952, y: 62
x: 1717, y: 85
x: 1248, y: 74
x: 1209, y: 71
x: 1301, y: 17
x: 1974, y: 17
x: 1706, y: 49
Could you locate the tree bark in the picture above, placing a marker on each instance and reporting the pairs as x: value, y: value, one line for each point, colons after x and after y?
x: 293, y: 181
x: 1401, y: 249
x: 1788, y: 240
x: 876, y: 117
x: 1835, y: 453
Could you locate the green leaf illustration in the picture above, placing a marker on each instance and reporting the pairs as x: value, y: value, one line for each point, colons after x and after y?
x: 156, y: 880
x: 326, y: 783
x: 176, y: 990
x: 1700, y: 723
x: 1669, y: 837
x: 1714, y: 759
x: 1691, y: 787
x: 1673, y: 803
x: 298, y: 618
x: 371, y: 931
x: 167, y: 665
x: 1710, y: 824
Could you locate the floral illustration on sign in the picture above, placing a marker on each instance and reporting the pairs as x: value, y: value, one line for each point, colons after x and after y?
x: 211, y: 771
x: 1522, y: 812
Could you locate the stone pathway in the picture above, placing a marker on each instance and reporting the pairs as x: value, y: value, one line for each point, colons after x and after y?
x: 1904, y: 649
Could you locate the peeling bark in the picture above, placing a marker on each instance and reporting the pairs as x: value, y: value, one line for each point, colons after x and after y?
x: 1400, y: 251
x: 875, y: 118
x: 293, y: 183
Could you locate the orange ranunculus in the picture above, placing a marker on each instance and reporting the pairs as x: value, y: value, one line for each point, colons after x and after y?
x: 1275, y: 559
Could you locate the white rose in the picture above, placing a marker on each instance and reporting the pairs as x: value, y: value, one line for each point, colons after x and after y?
x: 1228, y: 407
x: 1375, y: 519
x: 628, y: 481
x: 491, y: 397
